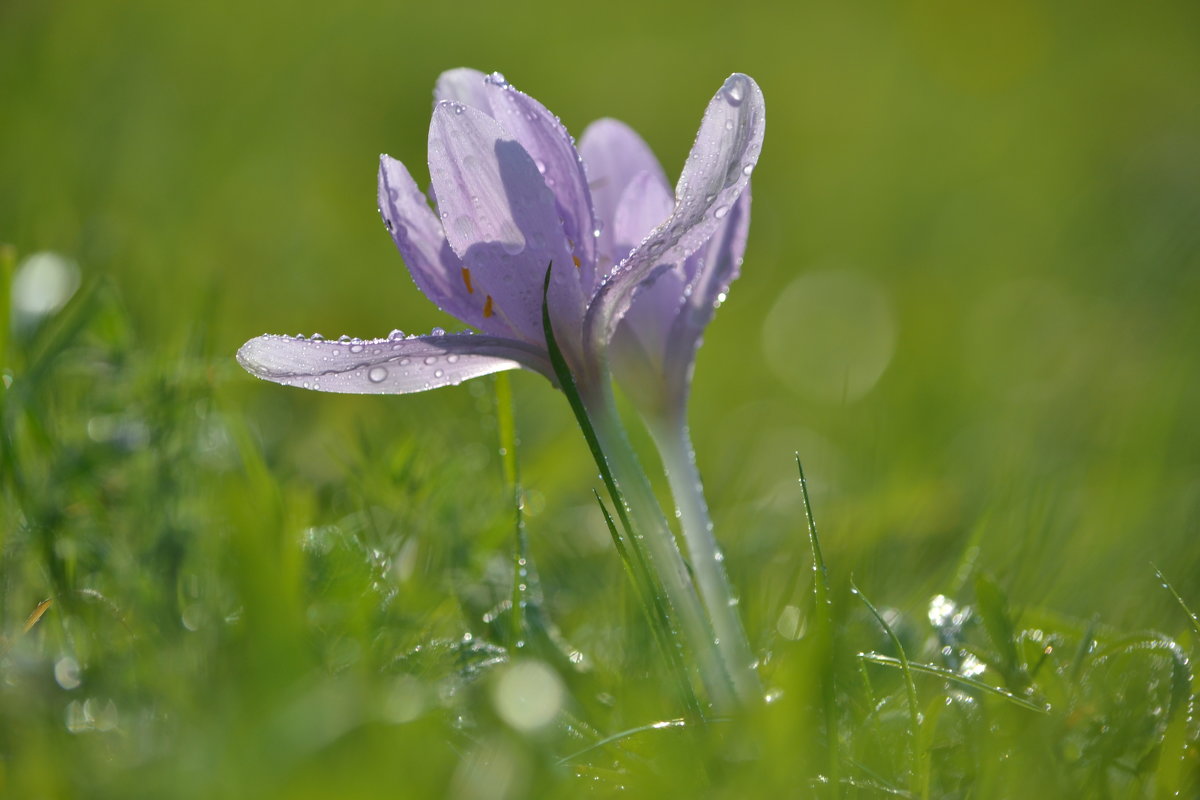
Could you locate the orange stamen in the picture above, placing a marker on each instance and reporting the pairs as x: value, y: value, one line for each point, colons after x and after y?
x: 575, y: 258
x: 487, y: 307
x: 467, y: 280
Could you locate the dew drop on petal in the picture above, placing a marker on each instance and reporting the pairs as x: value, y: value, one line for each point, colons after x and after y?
x: 437, y: 373
x: 396, y: 334
x: 735, y: 89
x: 356, y: 348
x: 377, y: 374
x: 438, y: 332
x: 452, y: 359
x: 430, y: 360
x: 720, y: 212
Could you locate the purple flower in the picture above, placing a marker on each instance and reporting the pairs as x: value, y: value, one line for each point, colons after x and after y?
x: 513, y: 196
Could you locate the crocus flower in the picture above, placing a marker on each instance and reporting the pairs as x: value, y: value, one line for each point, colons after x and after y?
x: 512, y: 197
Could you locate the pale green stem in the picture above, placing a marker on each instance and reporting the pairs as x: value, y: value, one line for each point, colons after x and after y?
x: 670, y: 433
x: 653, y: 535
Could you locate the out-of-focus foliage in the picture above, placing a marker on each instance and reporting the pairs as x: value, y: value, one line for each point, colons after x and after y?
x: 969, y: 302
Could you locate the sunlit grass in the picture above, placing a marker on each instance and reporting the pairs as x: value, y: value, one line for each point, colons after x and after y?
x: 968, y: 303
x: 188, y: 615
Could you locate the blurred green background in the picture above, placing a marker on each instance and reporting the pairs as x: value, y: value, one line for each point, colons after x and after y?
x: 969, y: 300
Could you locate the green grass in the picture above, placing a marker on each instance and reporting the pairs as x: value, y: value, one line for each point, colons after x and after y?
x: 262, y: 592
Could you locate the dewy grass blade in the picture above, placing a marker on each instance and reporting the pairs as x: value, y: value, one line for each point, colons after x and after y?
x: 954, y: 677
x: 1191, y: 615
x: 617, y: 737
x: 910, y: 689
x: 506, y: 423
x: 823, y: 613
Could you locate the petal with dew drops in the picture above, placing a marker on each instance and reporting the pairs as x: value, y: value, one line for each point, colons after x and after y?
x: 502, y: 221
x: 710, y: 271
x: 419, y: 237
x: 463, y: 85
x: 385, y: 366
x: 612, y: 155
x: 717, y: 171
x: 547, y: 141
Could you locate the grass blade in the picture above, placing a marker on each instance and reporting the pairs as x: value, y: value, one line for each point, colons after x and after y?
x: 953, y: 677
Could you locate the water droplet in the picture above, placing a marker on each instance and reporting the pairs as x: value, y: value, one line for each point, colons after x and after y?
x: 437, y: 373
x: 438, y: 332
x: 396, y: 334
x: 404, y: 362
x: 735, y: 90
x: 376, y: 374
x: 316, y: 337
x: 451, y: 359
x: 541, y: 166
x: 728, y: 124
x: 746, y: 170
x: 430, y: 360
x: 721, y: 211
x: 66, y: 673
x: 599, y: 229
x: 343, y: 338
x: 497, y: 79
x: 458, y: 108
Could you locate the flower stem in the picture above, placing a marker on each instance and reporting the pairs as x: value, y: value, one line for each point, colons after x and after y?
x: 653, y: 537
x: 670, y: 434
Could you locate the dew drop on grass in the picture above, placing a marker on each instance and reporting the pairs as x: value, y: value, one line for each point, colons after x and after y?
x: 66, y: 673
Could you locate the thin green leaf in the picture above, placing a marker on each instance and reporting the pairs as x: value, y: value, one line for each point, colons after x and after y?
x: 910, y: 687
x: 1195, y: 620
x: 954, y: 677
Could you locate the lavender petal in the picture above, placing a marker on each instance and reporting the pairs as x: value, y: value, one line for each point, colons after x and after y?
x: 645, y: 204
x: 710, y: 271
x: 547, y: 141
x: 419, y: 237
x: 717, y: 171
x: 385, y: 366
x: 502, y: 221
x: 612, y: 155
x: 462, y: 85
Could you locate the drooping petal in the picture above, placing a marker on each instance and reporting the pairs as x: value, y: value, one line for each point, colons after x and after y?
x: 418, y: 235
x: 709, y: 271
x: 547, y: 141
x: 385, y: 366
x: 462, y: 85
x: 717, y: 170
x: 612, y: 155
x: 502, y: 221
